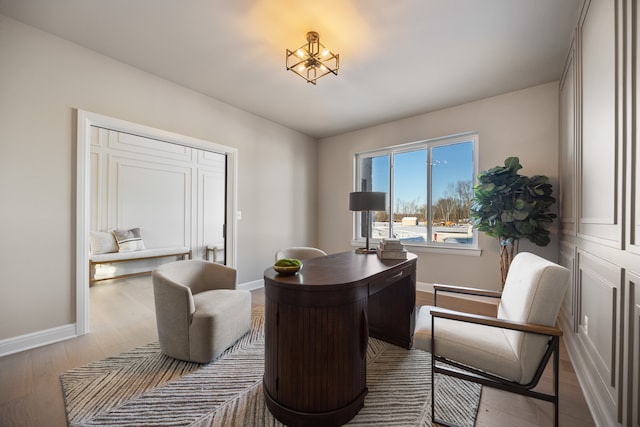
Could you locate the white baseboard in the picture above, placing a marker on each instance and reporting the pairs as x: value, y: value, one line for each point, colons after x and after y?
x: 424, y: 287
x: 36, y: 339
x: 250, y: 286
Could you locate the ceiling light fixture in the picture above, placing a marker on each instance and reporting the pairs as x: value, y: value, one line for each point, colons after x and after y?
x: 312, y: 60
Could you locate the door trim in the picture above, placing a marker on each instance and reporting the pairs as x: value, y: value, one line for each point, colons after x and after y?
x: 85, y: 120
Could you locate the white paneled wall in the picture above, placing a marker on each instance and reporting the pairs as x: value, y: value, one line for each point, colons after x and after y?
x: 599, y: 165
x: 174, y: 194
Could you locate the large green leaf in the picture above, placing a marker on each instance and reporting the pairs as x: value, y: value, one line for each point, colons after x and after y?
x: 520, y: 215
x: 513, y: 163
x: 520, y: 204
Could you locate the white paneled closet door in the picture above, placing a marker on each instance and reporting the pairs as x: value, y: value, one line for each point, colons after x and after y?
x: 211, y: 199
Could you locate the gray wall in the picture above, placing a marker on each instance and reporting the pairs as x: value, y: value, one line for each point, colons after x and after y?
x: 42, y: 80
x: 522, y: 123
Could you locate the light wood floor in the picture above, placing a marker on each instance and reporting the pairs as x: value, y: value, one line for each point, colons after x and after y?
x: 122, y: 317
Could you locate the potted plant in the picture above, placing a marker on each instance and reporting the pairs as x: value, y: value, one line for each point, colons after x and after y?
x: 510, y: 207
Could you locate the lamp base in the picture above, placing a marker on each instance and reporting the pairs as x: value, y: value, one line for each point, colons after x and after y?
x: 365, y: 251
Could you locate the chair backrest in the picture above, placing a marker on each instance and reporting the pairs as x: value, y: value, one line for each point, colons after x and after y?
x: 533, y: 293
x: 300, y: 252
x: 199, y: 275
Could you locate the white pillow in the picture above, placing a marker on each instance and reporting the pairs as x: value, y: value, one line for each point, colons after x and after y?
x: 102, y: 242
x: 129, y: 240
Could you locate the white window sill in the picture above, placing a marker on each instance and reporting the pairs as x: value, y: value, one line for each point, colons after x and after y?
x: 443, y: 250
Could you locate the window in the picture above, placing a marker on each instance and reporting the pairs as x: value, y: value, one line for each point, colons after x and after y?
x: 429, y: 186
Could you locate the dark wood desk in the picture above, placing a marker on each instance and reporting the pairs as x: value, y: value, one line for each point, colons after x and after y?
x: 317, y: 326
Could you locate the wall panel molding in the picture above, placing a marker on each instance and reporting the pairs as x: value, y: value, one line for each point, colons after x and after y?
x: 567, y: 199
x: 569, y: 309
x: 600, y: 172
x: 632, y: 346
x: 632, y: 150
x: 135, y: 144
x: 155, y: 196
x: 600, y: 306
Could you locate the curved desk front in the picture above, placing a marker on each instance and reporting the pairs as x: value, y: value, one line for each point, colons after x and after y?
x: 317, y: 326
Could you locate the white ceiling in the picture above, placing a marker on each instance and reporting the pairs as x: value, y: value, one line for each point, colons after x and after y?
x: 397, y: 58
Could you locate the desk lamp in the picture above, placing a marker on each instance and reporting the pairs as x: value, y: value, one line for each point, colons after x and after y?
x: 367, y: 201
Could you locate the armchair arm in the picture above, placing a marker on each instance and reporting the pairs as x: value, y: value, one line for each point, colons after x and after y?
x: 463, y: 290
x: 495, y: 322
x: 218, y: 276
x: 174, y: 307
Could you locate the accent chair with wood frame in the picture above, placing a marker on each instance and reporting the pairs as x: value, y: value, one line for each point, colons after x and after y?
x: 510, y: 351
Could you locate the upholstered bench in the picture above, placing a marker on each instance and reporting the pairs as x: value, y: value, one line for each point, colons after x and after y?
x: 114, y: 257
x: 120, y: 245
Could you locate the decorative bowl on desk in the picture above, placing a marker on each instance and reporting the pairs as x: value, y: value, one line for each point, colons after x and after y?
x: 287, y: 266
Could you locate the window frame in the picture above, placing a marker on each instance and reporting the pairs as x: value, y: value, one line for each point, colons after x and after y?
x: 426, y: 144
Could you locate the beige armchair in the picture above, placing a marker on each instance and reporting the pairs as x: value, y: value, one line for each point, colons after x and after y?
x: 299, y: 252
x: 509, y: 352
x: 199, y: 312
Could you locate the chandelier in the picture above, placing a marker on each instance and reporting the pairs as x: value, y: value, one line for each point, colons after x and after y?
x: 312, y: 60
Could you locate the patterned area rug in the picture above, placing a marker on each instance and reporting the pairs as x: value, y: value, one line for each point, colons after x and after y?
x: 142, y: 387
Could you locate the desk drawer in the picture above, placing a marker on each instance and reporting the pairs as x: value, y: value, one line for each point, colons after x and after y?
x: 391, y: 306
x: 391, y: 278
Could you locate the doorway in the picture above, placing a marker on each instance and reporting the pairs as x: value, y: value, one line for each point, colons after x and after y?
x: 126, y: 170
